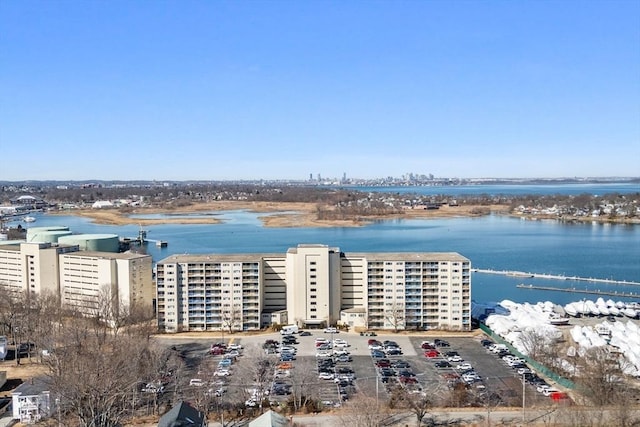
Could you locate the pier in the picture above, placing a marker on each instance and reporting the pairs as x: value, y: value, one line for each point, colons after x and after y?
x: 579, y: 291
x: 554, y: 276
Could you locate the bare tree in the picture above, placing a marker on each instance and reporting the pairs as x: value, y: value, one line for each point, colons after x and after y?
x: 415, y: 400
x: 255, y: 373
x: 232, y: 317
x: 602, y: 379
x: 363, y: 411
x: 96, y: 375
x: 395, y: 315
x: 304, y: 384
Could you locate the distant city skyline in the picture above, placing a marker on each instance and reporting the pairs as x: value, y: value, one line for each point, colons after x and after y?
x: 231, y: 90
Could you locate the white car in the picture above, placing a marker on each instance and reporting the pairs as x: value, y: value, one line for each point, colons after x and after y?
x: 325, y: 376
x: 288, y: 349
x: 331, y: 330
x: 235, y: 347
x: 550, y: 390
x: 196, y: 382
x: 454, y: 359
x: 464, y: 366
x: 324, y: 353
x: 340, y: 352
x: 222, y: 373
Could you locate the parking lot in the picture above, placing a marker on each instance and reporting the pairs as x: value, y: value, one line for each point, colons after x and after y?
x: 489, y: 380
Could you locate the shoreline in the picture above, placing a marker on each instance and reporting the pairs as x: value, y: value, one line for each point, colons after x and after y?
x: 302, y: 214
x: 278, y: 215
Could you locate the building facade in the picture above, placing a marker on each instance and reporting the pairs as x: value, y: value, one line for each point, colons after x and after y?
x: 78, y: 277
x: 314, y: 285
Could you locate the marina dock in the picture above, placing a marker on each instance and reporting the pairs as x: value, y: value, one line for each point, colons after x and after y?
x: 579, y: 291
x: 554, y: 277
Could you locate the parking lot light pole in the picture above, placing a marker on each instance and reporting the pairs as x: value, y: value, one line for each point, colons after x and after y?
x: 523, y: 399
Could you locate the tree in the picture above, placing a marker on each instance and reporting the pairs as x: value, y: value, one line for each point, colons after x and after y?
x: 96, y: 374
x: 363, y: 411
x: 255, y: 374
x: 415, y: 400
x: 304, y: 384
x: 395, y: 315
x: 232, y: 317
x: 602, y: 376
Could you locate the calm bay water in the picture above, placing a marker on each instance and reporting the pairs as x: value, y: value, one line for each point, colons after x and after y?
x: 515, y: 189
x: 492, y: 242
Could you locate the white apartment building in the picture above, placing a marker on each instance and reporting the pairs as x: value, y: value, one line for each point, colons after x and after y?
x: 86, y: 278
x: 32, y: 267
x: 314, y: 284
x: 77, y: 276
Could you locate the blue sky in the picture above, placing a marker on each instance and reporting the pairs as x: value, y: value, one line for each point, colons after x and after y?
x: 281, y: 89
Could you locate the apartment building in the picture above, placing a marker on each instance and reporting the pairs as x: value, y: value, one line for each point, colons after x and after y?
x: 89, y: 279
x: 314, y: 285
x: 78, y: 277
x: 32, y: 267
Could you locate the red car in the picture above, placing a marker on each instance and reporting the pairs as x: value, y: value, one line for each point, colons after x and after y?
x: 427, y: 346
x: 408, y: 380
x: 372, y: 342
x: 431, y: 353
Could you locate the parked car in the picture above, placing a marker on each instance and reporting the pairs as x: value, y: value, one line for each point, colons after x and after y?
x: 305, y: 333
x: 431, y: 353
x: 377, y: 354
x: 325, y: 376
x: 196, y: 382
x: 400, y: 364
x: 464, y: 366
x: 454, y: 359
x: 344, y: 358
x: 331, y: 330
x: 442, y: 364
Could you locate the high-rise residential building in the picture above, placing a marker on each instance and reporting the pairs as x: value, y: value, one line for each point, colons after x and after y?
x: 314, y: 286
x: 80, y: 278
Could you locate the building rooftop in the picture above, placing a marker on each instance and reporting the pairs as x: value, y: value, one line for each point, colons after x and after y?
x: 193, y: 258
x: 370, y: 256
x: 107, y: 255
x: 408, y: 256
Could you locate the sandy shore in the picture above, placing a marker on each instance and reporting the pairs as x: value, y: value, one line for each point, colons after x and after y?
x: 279, y: 215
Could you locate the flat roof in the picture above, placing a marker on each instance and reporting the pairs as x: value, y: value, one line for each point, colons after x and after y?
x: 107, y: 255
x: 407, y: 256
x: 370, y: 256
x: 204, y: 258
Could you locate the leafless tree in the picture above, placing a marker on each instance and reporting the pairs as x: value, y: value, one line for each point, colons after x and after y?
x: 363, y: 411
x: 96, y: 375
x: 602, y: 378
x: 395, y: 315
x: 254, y: 372
x: 304, y: 384
x: 232, y: 317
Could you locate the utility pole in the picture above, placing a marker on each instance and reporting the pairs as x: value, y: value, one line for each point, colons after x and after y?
x: 523, y: 400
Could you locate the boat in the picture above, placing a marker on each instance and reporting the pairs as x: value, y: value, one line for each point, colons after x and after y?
x: 29, y: 219
x: 558, y: 321
x: 571, y: 310
x: 3, y: 347
x: 630, y: 312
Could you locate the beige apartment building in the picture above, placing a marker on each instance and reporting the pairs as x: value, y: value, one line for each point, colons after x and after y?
x: 79, y: 277
x: 314, y: 286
